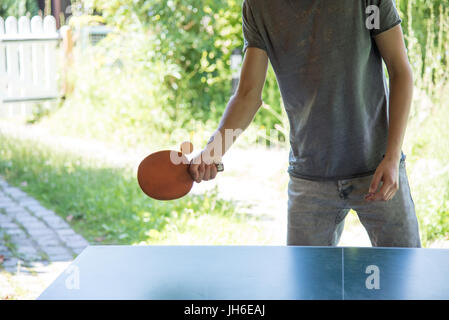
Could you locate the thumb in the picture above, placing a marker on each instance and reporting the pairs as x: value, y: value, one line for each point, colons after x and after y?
x: 375, y: 182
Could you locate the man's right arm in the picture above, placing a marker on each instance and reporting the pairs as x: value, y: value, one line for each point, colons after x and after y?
x: 239, y: 113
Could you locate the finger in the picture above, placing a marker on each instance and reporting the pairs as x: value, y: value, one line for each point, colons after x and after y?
x: 206, y: 176
x: 381, y: 194
x: 213, y: 171
x: 193, y: 169
x: 206, y: 157
x: 389, y: 195
x: 201, y: 170
x: 392, y: 192
x: 375, y: 182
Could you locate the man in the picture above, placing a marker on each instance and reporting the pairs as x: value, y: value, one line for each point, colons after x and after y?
x: 346, y: 129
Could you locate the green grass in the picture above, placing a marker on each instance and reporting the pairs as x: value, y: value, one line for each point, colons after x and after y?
x: 107, y: 205
x: 6, y: 239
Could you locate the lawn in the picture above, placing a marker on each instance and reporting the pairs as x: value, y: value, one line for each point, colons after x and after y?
x: 105, y: 205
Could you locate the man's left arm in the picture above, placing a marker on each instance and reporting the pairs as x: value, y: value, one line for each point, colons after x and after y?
x: 392, y: 48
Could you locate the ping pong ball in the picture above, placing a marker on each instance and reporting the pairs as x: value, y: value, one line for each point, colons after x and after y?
x: 186, y: 147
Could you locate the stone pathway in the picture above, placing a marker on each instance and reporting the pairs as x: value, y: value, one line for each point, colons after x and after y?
x: 35, y: 243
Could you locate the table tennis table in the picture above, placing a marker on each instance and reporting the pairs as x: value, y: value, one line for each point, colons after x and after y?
x: 253, y: 273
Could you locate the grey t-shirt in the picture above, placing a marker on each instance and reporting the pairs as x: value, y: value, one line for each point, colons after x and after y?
x: 331, y: 79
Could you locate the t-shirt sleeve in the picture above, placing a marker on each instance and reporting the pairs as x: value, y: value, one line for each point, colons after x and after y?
x: 251, y: 34
x: 388, y: 17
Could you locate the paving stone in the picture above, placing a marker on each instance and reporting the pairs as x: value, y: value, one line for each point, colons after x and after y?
x: 11, y: 262
x: 6, y: 254
x: 29, y: 202
x: 41, y: 213
x: 6, y: 204
x: 34, y: 206
x: 38, y: 232
x: 65, y: 232
x: 54, y: 250
x: 11, y: 269
x: 26, y: 218
x: 33, y: 224
x: 22, y: 213
x: 10, y: 225
x: 75, y: 241
x: 78, y: 250
x: 57, y: 253
x: 4, y: 219
x: 15, y: 232
x: 20, y: 241
x: 8, y: 189
x: 3, y: 183
x: 14, y: 210
x: 47, y: 236
x: 16, y: 266
x: 28, y: 253
x: 56, y: 222
x: 61, y: 257
x: 78, y: 245
x: 48, y: 240
x: 14, y: 192
x: 26, y: 249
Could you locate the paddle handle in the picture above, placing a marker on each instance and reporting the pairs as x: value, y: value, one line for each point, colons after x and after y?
x: 220, y: 167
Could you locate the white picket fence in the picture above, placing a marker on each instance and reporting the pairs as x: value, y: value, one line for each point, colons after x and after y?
x: 28, y: 60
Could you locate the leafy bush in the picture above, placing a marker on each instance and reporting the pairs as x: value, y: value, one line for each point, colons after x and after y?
x: 426, y: 28
x: 18, y: 8
x: 197, y: 37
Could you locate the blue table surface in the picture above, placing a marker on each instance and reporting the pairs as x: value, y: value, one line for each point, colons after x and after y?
x: 253, y: 273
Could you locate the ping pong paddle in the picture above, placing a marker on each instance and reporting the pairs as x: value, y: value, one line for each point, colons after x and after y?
x: 164, y: 175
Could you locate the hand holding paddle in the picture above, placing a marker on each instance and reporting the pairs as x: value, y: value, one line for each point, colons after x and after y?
x: 202, y: 170
x: 167, y: 174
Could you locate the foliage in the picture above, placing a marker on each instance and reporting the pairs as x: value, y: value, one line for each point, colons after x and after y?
x: 18, y: 8
x: 426, y: 29
x: 118, y: 96
x: 197, y: 37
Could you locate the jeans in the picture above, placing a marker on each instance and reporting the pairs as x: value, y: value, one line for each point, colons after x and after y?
x: 317, y: 210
